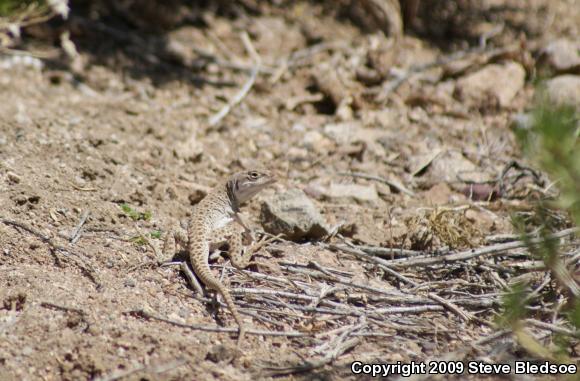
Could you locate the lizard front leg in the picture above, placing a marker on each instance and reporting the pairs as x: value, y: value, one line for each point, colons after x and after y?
x: 238, y: 218
x: 241, y: 258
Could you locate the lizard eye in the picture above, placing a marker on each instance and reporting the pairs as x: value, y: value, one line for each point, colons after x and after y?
x: 254, y: 175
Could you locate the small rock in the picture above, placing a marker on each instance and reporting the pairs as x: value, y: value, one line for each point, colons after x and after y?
x: 439, y: 194
x: 178, y: 52
x: 13, y: 177
x: 501, y: 82
x: 189, y: 150
x: 451, y: 165
x: 560, y: 56
x: 564, y: 90
x: 363, y: 193
x: 314, y: 140
x: 347, y: 133
x: 297, y: 154
x: 220, y: 353
x: 327, y: 80
x: 343, y: 133
x: 294, y: 215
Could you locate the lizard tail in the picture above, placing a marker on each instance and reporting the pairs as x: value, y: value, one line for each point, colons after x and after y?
x: 214, y: 284
x: 203, y: 271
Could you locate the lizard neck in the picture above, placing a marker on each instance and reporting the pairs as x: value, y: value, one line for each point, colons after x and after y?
x: 231, y: 193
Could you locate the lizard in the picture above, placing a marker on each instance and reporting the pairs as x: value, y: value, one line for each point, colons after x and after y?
x: 214, y: 221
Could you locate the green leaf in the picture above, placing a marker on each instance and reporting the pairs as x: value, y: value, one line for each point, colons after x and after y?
x: 134, y: 215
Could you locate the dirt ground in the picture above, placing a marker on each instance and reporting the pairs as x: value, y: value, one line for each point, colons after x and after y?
x: 130, y: 126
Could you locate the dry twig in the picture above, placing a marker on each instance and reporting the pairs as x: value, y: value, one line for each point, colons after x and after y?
x: 76, y: 233
x: 472, y: 253
x: 392, y: 184
x: 209, y: 328
x: 216, y: 118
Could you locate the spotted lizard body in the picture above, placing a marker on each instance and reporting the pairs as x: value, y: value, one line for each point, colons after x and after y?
x: 214, y: 221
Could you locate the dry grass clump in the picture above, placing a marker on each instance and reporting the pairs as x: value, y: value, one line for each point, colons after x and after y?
x: 442, y: 227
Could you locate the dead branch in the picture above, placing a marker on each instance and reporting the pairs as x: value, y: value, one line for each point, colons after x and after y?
x: 76, y: 233
x: 209, y: 328
x: 471, y: 253
x: 216, y: 118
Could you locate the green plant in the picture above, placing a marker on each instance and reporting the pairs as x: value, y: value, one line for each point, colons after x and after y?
x: 134, y: 215
x: 141, y: 240
x: 11, y: 7
x: 552, y: 143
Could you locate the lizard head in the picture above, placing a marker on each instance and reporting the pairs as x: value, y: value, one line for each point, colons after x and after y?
x: 247, y: 184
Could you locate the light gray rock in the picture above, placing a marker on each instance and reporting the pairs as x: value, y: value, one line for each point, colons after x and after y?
x: 564, y: 90
x: 294, y: 215
x: 560, y: 56
x: 190, y: 149
x: 361, y: 193
x: 501, y: 82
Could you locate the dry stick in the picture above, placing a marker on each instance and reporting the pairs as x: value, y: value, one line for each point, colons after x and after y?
x: 392, y: 184
x: 63, y: 308
x: 193, y: 282
x: 207, y: 300
x: 452, y: 307
x: 395, y: 297
x: 324, y: 292
x: 301, y: 57
x: 260, y: 276
x: 341, y: 345
x: 466, y: 316
x: 76, y: 233
x: 285, y: 294
x: 216, y: 118
x: 469, y: 254
x: 384, y: 251
x: 235, y: 66
x: 309, y: 52
x: 564, y: 277
x: 259, y: 315
x: 331, y: 270
x: 494, y: 336
x: 78, y: 260
x: 352, y: 311
x: 209, y: 328
x: 389, y: 296
x: 420, y: 330
x: 553, y: 328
